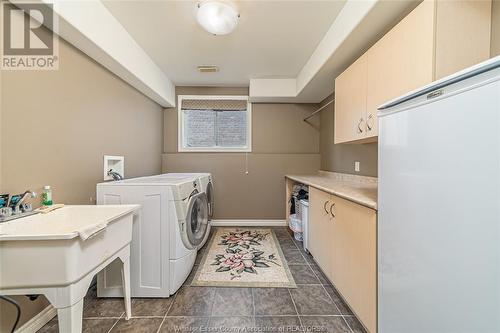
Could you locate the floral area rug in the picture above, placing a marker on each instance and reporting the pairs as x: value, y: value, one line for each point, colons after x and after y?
x: 244, y: 258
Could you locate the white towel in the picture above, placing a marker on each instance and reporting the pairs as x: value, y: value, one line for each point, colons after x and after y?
x: 91, y: 230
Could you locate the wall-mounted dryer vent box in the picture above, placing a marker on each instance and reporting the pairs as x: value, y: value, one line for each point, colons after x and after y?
x: 115, y: 163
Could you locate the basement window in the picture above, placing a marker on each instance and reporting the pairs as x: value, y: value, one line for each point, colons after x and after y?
x: 214, y: 124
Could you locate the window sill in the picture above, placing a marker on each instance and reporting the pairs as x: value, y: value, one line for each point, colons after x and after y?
x: 213, y: 150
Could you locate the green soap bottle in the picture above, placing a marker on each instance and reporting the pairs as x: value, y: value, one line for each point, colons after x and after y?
x: 47, y: 196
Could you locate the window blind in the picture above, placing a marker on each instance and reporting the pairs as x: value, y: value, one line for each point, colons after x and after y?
x: 214, y: 104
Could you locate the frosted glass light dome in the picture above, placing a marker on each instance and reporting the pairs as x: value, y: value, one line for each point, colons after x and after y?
x: 217, y: 17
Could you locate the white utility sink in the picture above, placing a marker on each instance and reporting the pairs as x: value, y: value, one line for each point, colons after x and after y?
x: 58, y: 253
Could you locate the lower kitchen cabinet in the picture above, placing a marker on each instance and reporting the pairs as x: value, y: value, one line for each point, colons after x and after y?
x: 320, y: 230
x: 343, y: 241
x: 353, y: 267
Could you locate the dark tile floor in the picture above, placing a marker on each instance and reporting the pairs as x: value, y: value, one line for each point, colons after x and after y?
x: 315, y: 306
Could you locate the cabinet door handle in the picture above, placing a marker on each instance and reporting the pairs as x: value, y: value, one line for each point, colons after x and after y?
x: 360, y: 129
x: 331, y: 207
x: 370, y: 117
x: 324, y: 206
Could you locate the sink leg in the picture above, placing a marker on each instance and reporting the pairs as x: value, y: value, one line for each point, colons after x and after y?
x: 70, y: 318
x: 126, y: 287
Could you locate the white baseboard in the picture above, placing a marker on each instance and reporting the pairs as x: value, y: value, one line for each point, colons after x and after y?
x: 248, y: 223
x: 38, y: 321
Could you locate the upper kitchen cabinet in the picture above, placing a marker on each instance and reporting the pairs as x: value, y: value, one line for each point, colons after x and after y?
x: 436, y: 39
x: 463, y: 35
x: 400, y: 62
x: 350, y: 97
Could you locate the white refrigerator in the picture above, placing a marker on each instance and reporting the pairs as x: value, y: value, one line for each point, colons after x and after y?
x: 439, y: 206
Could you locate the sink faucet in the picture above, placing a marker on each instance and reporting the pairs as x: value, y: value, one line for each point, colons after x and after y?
x: 24, y: 197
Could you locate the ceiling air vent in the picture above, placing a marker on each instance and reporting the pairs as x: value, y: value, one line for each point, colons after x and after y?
x: 208, y: 69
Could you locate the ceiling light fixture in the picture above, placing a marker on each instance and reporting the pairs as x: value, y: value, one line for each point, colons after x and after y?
x: 218, y: 17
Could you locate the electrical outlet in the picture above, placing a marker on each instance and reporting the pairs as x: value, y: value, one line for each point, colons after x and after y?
x: 356, y: 166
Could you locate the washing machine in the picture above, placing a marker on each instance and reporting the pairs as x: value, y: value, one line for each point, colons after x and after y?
x: 167, y: 232
x: 206, y: 185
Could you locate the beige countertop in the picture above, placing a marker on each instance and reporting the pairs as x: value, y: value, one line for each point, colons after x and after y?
x: 359, y: 189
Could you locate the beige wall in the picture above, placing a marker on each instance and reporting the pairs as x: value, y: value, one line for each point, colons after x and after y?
x: 1, y: 80
x: 341, y: 157
x: 495, y: 28
x: 56, y: 126
x: 282, y: 144
x: 28, y: 310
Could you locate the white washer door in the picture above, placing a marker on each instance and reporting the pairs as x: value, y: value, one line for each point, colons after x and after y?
x: 196, y: 220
